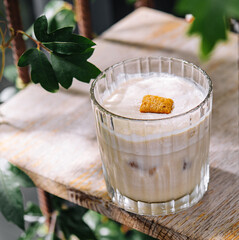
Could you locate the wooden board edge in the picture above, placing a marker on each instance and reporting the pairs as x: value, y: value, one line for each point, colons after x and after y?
x: 147, y: 225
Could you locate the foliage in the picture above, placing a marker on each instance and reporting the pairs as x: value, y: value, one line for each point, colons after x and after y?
x: 11, y: 180
x: 210, y: 20
x: 41, y: 69
x: 59, y: 14
x: 66, y: 49
x: 68, y: 222
x: 57, y: 40
x: 106, y: 229
x: 35, y: 219
x: 64, y: 18
x: 36, y: 225
x: 74, y: 224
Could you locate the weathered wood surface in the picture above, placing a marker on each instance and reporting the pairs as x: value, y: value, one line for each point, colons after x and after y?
x: 52, y: 136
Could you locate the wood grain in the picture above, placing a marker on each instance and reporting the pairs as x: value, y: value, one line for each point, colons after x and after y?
x: 52, y: 136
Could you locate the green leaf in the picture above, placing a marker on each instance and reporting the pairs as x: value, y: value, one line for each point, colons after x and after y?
x: 62, y: 34
x: 233, y: 8
x: 74, y: 66
x: 20, y: 177
x: 63, y: 42
x: 61, y: 37
x: 63, y: 18
x: 40, y: 28
x: 109, y: 230
x: 67, y: 48
x: 52, y: 7
x: 50, y: 10
x: 33, y: 209
x: 210, y: 21
x: 92, y: 219
x: 11, y: 179
x: 65, y: 35
x: 41, y: 69
x: 74, y: 224
x: 31, y: 232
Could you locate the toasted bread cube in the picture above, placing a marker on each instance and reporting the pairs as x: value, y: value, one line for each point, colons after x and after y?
x: 155, y: 104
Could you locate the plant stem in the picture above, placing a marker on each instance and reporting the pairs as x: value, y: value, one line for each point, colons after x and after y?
x: 7, y: 44
x: 2, y: 35
x: 3, y: 62
x: 39, y: 44
x: 3, y: 54
x: 5, y: 31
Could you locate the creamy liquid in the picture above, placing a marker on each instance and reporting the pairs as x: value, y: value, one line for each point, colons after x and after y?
x: 126, y: 99
x: 157, y: 161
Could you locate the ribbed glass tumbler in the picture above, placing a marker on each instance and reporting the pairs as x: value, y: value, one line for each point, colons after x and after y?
x: 153, y: 166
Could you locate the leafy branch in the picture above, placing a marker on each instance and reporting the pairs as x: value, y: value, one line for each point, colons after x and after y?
x: 11, y: 180
x: 210, y: 20
x: 68, y: 54
x: 38, y: 43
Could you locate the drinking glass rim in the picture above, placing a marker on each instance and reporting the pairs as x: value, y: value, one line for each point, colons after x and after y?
x: 145, y: 119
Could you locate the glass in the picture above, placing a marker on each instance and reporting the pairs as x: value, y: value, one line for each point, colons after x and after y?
x: 157, y: 166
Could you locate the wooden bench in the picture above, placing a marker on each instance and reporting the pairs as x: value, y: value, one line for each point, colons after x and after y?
x: 52, y: 136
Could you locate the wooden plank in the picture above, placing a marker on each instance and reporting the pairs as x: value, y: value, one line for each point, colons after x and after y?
x: 52, y: 136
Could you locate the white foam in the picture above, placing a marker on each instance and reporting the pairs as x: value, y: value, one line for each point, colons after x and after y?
x: 126, y: 99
